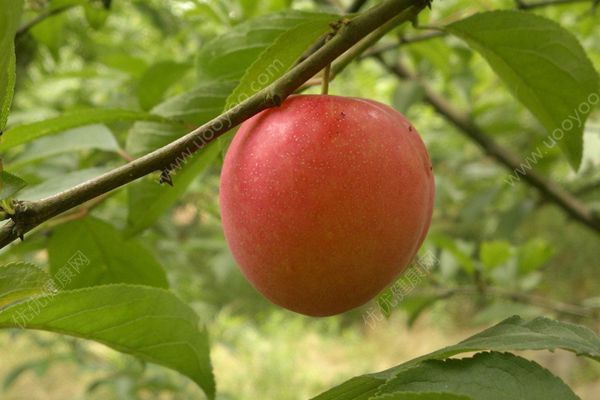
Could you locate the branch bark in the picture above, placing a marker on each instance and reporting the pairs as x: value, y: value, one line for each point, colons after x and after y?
x: 173, y: 155
x: 467, y: 126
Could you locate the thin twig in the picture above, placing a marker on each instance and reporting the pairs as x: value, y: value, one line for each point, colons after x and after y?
x: 559, y: 307
x: 125, y: 155
x: 404, y: 41
x: 587, y: 188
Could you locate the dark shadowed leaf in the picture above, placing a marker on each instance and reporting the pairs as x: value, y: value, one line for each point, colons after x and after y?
x: 148, y: 199
x: 92, y: 252
x: 156, y: 80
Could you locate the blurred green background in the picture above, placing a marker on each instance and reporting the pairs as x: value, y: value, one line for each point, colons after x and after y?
x: 500, y: 249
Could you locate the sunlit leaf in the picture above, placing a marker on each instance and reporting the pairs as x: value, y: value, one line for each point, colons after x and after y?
x: 10, y: 15
x: 97, y: 137
x: 511, y: 334
x: 149, y: 323
x: 26, y: 133
x: 486, y: 376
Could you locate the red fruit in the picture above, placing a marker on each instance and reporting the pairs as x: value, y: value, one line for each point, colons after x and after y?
x: 325, y: 200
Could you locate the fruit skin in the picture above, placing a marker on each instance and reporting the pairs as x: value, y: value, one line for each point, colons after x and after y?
x: 325, y: 200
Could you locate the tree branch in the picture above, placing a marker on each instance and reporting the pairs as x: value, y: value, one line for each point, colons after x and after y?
x: 365, y: 43
x: 402, y: 41
x: 553, y: 192
x: 559, y: 307
x: 172, y: 156
x: 519, y: 4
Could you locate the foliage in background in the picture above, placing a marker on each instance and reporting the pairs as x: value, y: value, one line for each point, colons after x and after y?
x: 96, y: 86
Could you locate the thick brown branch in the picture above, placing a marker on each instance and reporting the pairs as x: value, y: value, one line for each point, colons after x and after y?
x: 173, y: 155
x: 550, y: 190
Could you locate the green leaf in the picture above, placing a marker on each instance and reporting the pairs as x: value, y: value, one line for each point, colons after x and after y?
x: 55, y: 5
x: 420, y: 396
x: 416, y: 305
x: 132, y: 65
x: 26, y: 133
x: 19, y: 281
x: 494, y: 253
x: 39, y: 366
x: 10, y: 184
x: 149, y: 323
x: 50, y: 33
x: 156, y: 80
x: 228, y: 56
x: 511, y: 334
x: 486, y: 376
x: 357, y: 388
x: 95, y: 14
x: 534, y: 254
x: 60, y: 183
x: 88, y: 137
x: 107, y: 257
x: 10, y: 15
x: 448, y: 244
x: 515, y: 333
x: 544, y: 67
x: 277, y: 58
x: 193, y: 108
x: 407, y: 94
x: 148, y: 199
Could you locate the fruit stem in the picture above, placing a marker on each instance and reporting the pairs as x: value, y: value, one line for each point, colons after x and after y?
x: 326, y: 73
